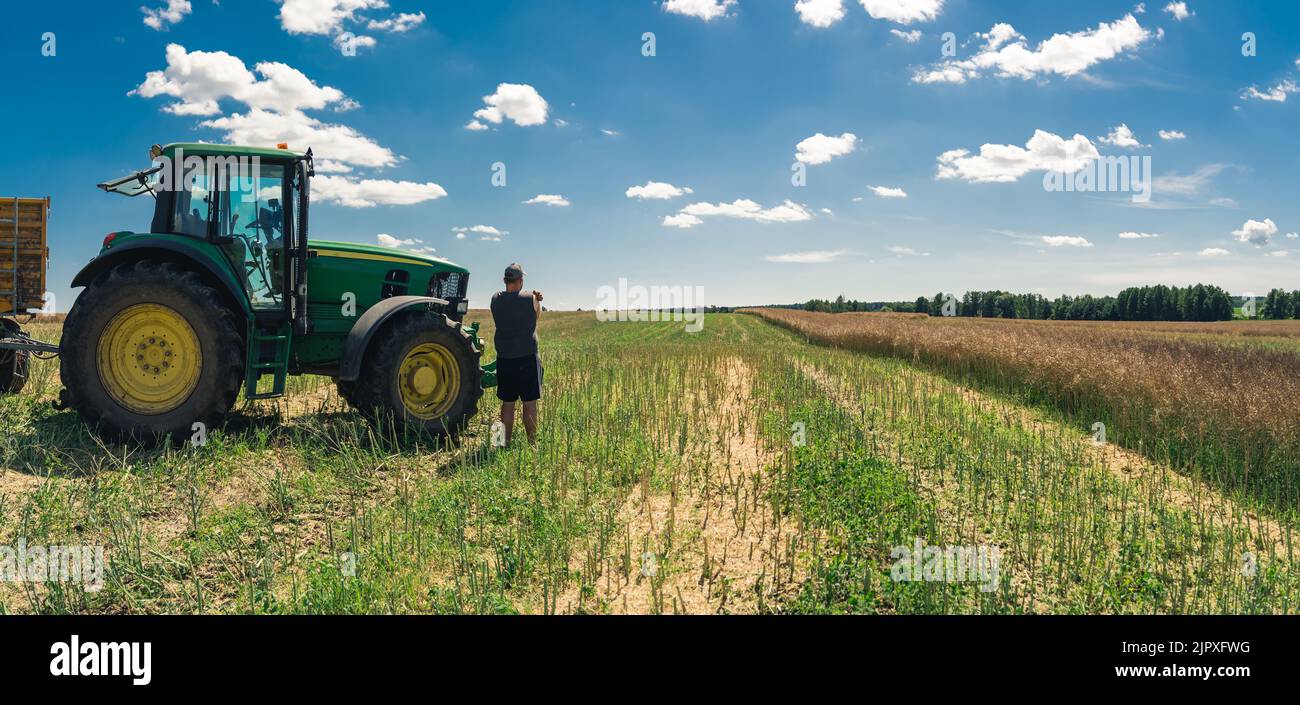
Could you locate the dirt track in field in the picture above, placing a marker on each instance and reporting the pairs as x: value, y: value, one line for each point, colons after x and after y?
x: 712, y: 545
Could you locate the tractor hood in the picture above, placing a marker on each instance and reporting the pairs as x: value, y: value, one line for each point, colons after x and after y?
x: 354, y: 250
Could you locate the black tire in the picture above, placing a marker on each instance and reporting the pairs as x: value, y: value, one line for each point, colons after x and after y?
x: 348, y: 392
x: 377, y: 393
x: 14, y: 364
x: 215, y: 326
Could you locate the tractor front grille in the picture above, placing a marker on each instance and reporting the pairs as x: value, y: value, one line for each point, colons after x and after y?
x: 449, y: 285
x: 452, y: 287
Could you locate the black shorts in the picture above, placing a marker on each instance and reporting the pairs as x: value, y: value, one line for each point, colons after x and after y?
x: 519, y: 378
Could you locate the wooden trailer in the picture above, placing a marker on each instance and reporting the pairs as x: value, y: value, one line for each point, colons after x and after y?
x: 24, y: 254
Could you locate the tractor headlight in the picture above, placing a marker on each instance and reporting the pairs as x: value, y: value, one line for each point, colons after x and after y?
x: 462, y: 307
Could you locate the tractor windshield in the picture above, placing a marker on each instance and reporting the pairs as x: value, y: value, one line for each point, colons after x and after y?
x: 242, y: 208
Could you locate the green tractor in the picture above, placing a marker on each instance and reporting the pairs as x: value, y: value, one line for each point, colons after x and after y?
x: 226, y: 292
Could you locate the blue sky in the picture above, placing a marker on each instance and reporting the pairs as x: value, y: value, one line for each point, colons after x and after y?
x: 384, y: 91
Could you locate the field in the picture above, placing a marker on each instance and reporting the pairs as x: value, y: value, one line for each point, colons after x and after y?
x: 755, y: 467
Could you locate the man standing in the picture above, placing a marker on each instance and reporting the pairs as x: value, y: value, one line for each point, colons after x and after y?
x: 519, y: 369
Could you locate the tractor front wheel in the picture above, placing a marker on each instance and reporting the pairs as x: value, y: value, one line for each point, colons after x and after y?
x: 423, y: 371
x: 148, y: 351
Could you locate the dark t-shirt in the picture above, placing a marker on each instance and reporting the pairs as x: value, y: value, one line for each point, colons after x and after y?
x: 516, y: 322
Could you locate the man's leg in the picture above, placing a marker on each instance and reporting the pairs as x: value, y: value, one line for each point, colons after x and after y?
x: 508, y: 418
x: 530, y: 420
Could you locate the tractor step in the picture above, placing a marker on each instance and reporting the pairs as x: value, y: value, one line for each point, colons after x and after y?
x: 260, y: 364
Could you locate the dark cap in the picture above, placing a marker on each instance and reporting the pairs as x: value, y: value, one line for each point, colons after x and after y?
x: 514, y: 272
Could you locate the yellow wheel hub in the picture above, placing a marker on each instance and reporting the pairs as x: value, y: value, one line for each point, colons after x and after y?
x: 429, y: 381
x: 149, y: 359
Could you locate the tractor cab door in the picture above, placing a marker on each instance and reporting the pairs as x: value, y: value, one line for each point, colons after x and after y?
x: 255, y: 226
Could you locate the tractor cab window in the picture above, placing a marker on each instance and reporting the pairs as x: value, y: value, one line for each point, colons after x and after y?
x: 251, y: 219
x: 193, y: 205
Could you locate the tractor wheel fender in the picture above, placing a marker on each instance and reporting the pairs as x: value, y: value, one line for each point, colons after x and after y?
x: 370, y: 323
x: 186, y: 256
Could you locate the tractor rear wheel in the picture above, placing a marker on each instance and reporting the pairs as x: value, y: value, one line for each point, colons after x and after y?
x: 423, y: 370
x: 148, y: 351
x: 14, y: 364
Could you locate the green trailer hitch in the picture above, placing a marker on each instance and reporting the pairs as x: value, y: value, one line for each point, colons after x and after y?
x: 490, y: 369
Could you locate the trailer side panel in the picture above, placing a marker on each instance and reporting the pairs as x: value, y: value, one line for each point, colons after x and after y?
x: 24, y: 254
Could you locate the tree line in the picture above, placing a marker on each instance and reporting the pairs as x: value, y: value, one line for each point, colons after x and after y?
x: 1199, y: 303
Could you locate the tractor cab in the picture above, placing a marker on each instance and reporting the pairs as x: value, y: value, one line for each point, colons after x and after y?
x: 251, y: 204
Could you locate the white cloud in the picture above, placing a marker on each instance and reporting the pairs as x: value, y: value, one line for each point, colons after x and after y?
x: 610, y: 133
x: 519, y: 103
x: 681, y: 220
x: 547, y: 199
x: 475, y: 126
x: 1292, y: 236
x: 348, y: 42
x: 322, y: 16
x: 820, y: 149
x: 487, y: 231
x: 276, y: 97
x: 410, y: 245
x: 1170, y: 135
x: 1065, y: 241
x: 1004, y: 163
x: 201, y: 79
x: 336, y: 147
x: 911, y: 37
x: 1276, y: 94
x: 1214, y: 252
x: 159, y: 17
x: 1007, y: 53
x: 706, y: 10
x: 744, y: 209
x: 888, y: 191
x: 1255, y: 232
x: 1280, y: 253
x: 657, y: 191
x: 903, y: 11
x: 1190, y: 184
x: 820, y: 13
x: 811, y: 257
x: 1179, y: 10
x: 907, y: 252
x: 367, y: 193
x: 402, y: 22
x: 1138, y: 236
x: 1121, y: 137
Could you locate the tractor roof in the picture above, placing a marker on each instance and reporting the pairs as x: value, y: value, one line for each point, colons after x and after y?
x: 204, y: 149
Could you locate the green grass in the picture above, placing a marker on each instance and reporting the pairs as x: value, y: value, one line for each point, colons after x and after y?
x: 275, y: 512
